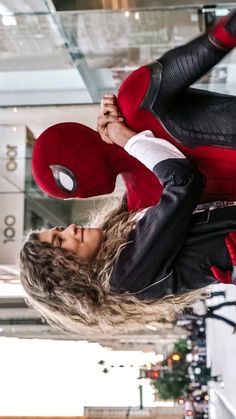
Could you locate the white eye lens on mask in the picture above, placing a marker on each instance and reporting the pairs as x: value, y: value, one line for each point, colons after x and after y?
x: 64, y: 178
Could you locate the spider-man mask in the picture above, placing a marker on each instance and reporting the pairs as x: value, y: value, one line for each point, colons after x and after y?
x: 71, y: 161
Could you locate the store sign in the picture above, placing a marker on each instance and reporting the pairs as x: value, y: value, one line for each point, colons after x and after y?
x: 12, y: 158
x: 11, y: 226
x: 9, y: 231
x: 12, y: 184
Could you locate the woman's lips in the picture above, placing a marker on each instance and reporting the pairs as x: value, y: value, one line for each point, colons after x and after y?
x: 80, y: 230
x: 82, y: 233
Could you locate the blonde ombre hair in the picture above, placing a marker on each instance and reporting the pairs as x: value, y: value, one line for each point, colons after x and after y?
x: 76, y: 297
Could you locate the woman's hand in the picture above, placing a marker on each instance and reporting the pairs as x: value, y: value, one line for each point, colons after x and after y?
x: 110, y: 123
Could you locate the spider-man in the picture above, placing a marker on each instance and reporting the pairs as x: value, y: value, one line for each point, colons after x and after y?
x: 70, y: 160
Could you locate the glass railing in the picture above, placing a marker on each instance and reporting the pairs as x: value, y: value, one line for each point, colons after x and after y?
x: 51, y: 57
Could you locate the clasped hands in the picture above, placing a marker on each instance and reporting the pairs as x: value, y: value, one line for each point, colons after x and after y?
x: 110, y: 123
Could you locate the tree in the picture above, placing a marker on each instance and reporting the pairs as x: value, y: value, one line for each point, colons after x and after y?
x: 173, y: 383
x: 181, y: 347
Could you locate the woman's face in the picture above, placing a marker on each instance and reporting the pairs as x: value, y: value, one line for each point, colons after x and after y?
x: 83, y: 241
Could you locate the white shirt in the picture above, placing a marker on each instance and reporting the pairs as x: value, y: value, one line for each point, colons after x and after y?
x: 151, y: 150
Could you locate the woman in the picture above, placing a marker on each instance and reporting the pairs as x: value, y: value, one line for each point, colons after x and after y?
x: 133, y: 268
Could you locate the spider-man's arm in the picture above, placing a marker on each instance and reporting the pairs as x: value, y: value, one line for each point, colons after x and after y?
x: 182, y: 66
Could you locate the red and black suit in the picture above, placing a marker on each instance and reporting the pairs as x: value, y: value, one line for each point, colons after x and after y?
x: 201, y: 124
x: 71, y: 161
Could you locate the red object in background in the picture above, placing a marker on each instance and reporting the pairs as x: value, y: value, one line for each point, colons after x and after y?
x: 153, y: 374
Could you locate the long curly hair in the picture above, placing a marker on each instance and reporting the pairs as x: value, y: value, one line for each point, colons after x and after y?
x: 75, y: 297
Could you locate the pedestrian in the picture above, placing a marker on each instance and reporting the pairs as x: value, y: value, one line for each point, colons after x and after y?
x: 209, y: 313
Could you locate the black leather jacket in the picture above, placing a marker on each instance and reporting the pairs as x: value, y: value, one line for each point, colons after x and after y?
x: 171, y: 250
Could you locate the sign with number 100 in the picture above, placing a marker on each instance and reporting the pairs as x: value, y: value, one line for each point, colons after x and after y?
x: 9, y: 231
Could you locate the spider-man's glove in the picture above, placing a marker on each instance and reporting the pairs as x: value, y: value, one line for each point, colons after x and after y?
x: 228, y: 277
x: 223, y: 35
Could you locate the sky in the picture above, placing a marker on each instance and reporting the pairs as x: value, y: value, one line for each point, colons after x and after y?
x: 44, y: 377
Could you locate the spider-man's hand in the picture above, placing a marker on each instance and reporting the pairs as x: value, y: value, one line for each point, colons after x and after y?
x: 228, y: 277
x: 223, y: 34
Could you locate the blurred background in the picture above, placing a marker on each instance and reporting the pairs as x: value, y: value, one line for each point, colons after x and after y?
x: 57, y: 60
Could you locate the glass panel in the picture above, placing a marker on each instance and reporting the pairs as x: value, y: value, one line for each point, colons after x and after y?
x: 111, y: 44
x: 115, y: 43
x: 25, y: 6
x: 31, y: 42
x: 75, y: 57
